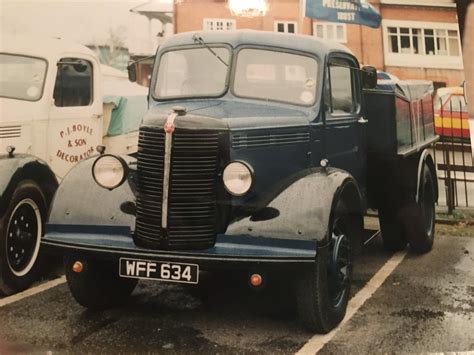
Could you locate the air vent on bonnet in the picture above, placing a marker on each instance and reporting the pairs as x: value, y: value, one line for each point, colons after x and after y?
x: 10, y: 132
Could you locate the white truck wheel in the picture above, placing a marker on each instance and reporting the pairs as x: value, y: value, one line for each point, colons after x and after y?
x: 21, y: 229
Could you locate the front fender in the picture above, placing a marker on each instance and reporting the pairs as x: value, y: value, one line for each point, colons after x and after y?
x: 80, y: 201
x: 21, y: 167
x: 303, y: 210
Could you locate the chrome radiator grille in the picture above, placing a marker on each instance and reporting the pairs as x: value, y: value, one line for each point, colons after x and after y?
x: 191, y: 217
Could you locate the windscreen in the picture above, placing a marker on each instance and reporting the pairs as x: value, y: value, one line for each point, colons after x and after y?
x: 276, y: 76
x: 21, y: 77
x: 192, y: 73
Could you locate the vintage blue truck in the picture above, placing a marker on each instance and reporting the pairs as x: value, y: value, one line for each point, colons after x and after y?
x: 260, y: 152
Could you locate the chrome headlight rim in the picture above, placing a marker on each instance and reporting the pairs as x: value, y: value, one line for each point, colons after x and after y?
x: 252, y: 177
x: 125, y: 171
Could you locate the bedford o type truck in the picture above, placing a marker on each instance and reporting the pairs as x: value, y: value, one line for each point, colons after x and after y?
x: 56, y: 106
x: 260, y: 152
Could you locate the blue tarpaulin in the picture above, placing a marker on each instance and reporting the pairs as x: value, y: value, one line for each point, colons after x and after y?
x: 348, y: 11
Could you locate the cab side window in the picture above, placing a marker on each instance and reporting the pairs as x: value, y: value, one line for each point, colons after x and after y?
x: 73, y: 85
x: 340, y: 87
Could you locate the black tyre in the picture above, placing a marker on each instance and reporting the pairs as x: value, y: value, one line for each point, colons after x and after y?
x: 21, y: 229
x: 393, y: 232
x: 419, y: 217
x: 322, y: 292
x: 98, y: 286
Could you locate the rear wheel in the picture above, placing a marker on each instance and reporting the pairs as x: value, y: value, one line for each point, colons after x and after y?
x: 98, y: 286
x: 21, y: 229
x: 323, y: 290
x: 419, y: 218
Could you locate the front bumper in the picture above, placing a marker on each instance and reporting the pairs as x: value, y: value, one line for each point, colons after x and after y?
x: 229, y: 252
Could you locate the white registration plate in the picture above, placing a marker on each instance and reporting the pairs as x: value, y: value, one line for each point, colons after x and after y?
x: 159, y: 270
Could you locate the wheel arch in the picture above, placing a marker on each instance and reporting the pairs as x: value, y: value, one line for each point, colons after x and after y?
x: 348, y: 193
x: 25, y: 167
x: 427, y: 158
x: 305, y: 207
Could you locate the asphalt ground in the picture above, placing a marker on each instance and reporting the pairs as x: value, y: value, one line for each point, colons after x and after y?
x: 425, y: 305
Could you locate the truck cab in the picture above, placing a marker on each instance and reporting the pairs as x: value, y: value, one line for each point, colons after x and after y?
x: 253, y: 155
x: 51, y: 101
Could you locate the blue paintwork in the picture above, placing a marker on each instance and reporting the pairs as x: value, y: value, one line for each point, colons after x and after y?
x: 118, y: 240
x: 297, y: 43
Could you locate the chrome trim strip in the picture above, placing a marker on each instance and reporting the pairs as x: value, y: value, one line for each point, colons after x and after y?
x: 169, y: 128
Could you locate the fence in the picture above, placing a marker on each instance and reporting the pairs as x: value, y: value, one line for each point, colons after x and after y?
x: 453, y: 153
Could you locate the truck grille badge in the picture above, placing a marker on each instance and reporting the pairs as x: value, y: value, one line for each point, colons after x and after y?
x: 169, y: 129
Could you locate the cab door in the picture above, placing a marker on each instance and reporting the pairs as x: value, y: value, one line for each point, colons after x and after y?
x: 75, y: 122
x: 345, y: 126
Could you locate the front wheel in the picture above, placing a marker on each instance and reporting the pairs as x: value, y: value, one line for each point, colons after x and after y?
x: 98, y: 286
x: 21, y: 229
x: 323, y: 290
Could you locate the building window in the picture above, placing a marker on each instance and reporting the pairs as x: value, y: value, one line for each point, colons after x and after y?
x: 422, y: 44
x: 331, y: 31
x: 286, y: 26
x: 216, y: 24
x: 425, y: 41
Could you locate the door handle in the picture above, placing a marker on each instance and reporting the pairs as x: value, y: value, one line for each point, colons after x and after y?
x: 96, y: 115
x: 362, y: 120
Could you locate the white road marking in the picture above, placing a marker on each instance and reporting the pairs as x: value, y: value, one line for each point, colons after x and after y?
x: 32, y: 291
x: 317, y: 342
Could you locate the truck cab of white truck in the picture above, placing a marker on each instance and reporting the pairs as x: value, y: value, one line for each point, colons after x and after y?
x: 51, y: 117
x: 51, y: 101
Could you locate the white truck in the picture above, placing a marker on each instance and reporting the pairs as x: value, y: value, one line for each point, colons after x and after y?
x: 56, y: 106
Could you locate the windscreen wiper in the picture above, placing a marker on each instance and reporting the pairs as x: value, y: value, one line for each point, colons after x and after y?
x: 198, y: 39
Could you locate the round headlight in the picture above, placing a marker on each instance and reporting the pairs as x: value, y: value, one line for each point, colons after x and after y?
x: 109, y: 171
x: 237, y: 178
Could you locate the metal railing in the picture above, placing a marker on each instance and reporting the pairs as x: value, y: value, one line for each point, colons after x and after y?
x: 453, y: 157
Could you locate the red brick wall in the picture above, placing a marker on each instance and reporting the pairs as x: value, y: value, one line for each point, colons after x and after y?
x: 426, y: 13
x: 366, y: 43
x: 190, y: 15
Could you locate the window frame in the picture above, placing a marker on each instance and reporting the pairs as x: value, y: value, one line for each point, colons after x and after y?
x: 44, y: 77
x: 285, y: 23
x: 355, y: 84
x: 226, y: 21
x: 330, y: 24
x: 187, y: 47
x: 411, y: 59
x: 317, y: 97
x: 92, y: 79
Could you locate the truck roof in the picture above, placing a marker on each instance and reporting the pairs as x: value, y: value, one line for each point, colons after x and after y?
x: 45, y: 47
x: 235, y: 38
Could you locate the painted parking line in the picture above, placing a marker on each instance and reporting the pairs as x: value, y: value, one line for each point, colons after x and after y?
x: 317, y: 342
x: 32, y: 291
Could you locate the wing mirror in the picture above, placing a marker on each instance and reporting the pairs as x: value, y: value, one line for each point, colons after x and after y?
x: 369, y: 77
x: 132, y: 72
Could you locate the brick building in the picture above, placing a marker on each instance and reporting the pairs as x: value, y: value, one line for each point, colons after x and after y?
x: 418, y: 39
